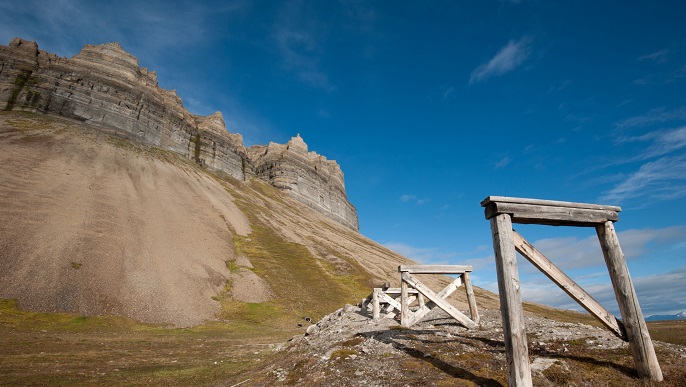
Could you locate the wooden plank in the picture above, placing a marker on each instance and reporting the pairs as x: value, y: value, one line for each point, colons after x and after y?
x: 552, y: 203
x: 404, y: 304
x: 376, y: 308
x: 550, y: 215
x: 445, y: 293
x: 441, y: 303
x: 434, y: 269
x: 570, y: 287
x: 471, y: 299
x: 636, y: 330
x: 389, y: 300
x: 397, y: 291
x: 514, y: 330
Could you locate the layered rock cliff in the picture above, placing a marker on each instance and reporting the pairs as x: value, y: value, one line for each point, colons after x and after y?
x: 104, y: 86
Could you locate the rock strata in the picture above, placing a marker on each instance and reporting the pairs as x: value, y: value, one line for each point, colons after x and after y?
x: 306, y: 176
x: 104, y: 86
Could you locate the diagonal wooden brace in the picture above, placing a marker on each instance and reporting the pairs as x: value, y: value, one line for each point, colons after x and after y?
x: 440, y: 302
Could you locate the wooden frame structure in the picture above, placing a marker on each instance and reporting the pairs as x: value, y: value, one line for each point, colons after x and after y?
x: 502, y: 212
x: 390, y: 299
x: 409, y: 284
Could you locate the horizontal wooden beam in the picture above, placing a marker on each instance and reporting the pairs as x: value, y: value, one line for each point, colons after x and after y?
x: 397, y: 291
x: 434, y: 269
x: 550, y: 212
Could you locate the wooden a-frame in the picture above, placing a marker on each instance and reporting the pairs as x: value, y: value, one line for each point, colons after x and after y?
x: 502, y: 212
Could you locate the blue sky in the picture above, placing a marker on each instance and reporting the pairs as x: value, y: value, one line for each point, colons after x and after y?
x: 429, y: 107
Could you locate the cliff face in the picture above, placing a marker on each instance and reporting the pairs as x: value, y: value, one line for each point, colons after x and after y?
x: 306, y: 176
x: 103, y: 85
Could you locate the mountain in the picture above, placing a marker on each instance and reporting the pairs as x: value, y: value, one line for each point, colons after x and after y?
x: 103, y: 86
x: 97, y: 224
x: 663, y: 317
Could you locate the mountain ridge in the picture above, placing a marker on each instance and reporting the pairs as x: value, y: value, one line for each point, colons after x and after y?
x: 667, y: 317
x: 103, y: 85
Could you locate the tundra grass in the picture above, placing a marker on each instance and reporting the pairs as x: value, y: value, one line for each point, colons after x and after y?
x: 68, y: 349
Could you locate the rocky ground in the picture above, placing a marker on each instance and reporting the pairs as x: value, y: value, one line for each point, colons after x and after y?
x: 348, y: 348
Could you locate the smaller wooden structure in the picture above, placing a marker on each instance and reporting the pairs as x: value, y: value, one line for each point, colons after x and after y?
x: 385, y: 302
x: 502, y: 212
x: 410, y: 284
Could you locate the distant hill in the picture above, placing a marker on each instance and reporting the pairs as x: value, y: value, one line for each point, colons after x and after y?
x: 662, y: 317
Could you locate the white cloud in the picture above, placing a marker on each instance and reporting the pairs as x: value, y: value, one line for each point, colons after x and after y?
x: 658, y: 56
x: 657, y: 294
x: 663, y: 141
x: 299, y: 42
x: 420, y: 254
x: 502, y: 162
x: 406, y: 198
x: 662, y: 179
x: 446, y: 94
x: 654, y: 116
x: 575, y: 253
x: 513, y: 54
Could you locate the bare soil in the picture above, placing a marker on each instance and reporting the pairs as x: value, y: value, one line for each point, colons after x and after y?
x: 96, y: 226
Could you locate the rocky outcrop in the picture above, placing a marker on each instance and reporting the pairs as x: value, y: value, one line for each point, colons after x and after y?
x: 306, y: 176
x: 216, y: 148
x: 104, y: 86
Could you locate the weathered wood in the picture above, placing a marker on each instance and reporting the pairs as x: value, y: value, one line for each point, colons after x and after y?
x: 440, y: 302
x: 636, y: 330
x: 383, y: 297
x: 549, y: 212
x: 413, y: 318
x: 551, y: 203
x: 514, y: 330
x: 397, y: 291
x: 404, y: 304
x: 434, y: 269
x: 542, y: 263
x: 471, y: 299
x: 422, y: 301
x: 376, y: 308
x: 390, y: 310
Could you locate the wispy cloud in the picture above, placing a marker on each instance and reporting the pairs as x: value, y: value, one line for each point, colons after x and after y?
x: 407, y: 198
x: 576, y: 253
x: 657, y: 56
x: 663, y: 142
x: 420, y: 254
x: 656, y: 293
x: 447, y: 92
x: 434, y: 255
x: 298, y: 40
x: 660, y: 176
x: 654, y: 116
x: 502, y: 162
x: 508, y: 58
x: 662, y: 179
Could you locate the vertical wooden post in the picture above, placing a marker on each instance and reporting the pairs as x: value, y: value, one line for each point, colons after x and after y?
x: 514, y: 330
x: 404, y: 304
x: 473, y: 311
x: 376, y: 308
x: 422, y: 301
x: 632, y: 317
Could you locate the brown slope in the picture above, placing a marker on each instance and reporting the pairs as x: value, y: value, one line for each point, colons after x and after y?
x: 95, y: 226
